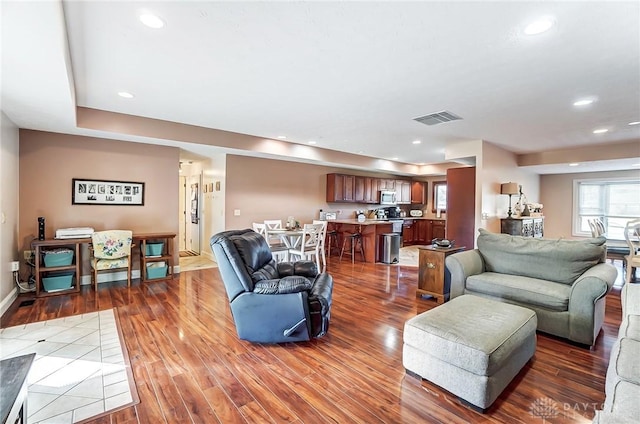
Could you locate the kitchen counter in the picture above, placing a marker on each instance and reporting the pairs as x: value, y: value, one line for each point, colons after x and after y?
x: 371, y: 230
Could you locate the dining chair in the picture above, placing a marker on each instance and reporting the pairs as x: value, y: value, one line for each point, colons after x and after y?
x: 632, y: 236
x: 309, y: 247
x: 615, y: 250
x: 110, y: 250
x: 323, y: 241
x: 273, y: 224
x: 278, y: 250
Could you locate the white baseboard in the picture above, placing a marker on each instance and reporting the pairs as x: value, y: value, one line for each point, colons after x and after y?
x: 8, y: 300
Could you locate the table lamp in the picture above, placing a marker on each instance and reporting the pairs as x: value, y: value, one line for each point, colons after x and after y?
x: 510, y: 189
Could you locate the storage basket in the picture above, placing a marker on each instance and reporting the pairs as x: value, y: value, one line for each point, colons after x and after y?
x: 154, y: 249
x: 156, y: 270
x: 58, y: 281
x: 57, y: 257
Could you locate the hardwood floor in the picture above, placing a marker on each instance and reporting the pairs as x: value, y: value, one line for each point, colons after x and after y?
x: 189, y: 365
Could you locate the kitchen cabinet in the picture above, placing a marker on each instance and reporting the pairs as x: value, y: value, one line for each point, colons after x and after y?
x: 434, y: 278
x: 340, y: 188
x: 418, y: 193
x: 438, y: 229
x: 524, y: 226
x: 421, y: 234
x: 386, y: 184
x: 403, y: 192
x: 365, y: 190
x: 408, y: 231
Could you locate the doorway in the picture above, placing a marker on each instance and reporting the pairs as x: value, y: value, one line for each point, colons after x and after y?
x: 190, y: 217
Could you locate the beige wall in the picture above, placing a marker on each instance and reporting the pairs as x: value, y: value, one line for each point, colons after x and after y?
x: 272, y: 189
x: 557, y: 197
x: 8, y: 209
x: 499, y: 166
x: 49, y: 161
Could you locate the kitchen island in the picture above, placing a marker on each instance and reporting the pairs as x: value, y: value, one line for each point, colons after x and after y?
x: 371, y: 230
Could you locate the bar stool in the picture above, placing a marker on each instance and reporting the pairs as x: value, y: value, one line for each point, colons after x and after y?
x: 355, y: 241
x: 332, y: 241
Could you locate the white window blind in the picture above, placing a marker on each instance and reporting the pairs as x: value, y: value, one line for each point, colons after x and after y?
x: 613, y: 201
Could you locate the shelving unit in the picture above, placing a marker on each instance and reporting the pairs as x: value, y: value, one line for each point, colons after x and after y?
x: 42, y: 271
x: 166, y: 255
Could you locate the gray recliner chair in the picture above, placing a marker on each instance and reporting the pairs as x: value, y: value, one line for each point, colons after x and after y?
x: 271, y: 302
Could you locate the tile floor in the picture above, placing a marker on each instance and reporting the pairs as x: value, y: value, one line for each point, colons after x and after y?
x: 79, y: 371
x: 190, y: 263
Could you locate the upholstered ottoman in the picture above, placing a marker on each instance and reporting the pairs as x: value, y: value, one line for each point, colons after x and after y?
x: 471, y: 346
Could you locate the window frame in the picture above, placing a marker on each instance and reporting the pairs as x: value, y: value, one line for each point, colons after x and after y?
x: 575, y: 215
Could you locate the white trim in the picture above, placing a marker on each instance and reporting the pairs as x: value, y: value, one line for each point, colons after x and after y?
x: 575, y: 231
x: 7, y: 301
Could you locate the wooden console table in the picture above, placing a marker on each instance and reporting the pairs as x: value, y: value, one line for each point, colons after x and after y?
x: 140, y: 240
x: 433, y: 278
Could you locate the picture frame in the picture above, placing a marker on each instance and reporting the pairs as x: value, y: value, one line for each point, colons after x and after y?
x: 86, y: 191
x: 439, y: 199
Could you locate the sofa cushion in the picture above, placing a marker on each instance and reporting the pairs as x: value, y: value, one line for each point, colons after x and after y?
x: 531, y: 291
x: 562, y: 261
x: 630, y: 328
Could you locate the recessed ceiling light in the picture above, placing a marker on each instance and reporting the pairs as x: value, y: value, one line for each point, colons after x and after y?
x: 574, y: 164
x: 600, y: 131
x: 416, y: 141
x: 583, y: 102
x: 125, y: 94
x: 634, y: 123
x: 635, y: 164
x: 394, y: 158
x: 539, y: 26
x: 282, y: 137
x: 312, y: 142
x: 152, y: 21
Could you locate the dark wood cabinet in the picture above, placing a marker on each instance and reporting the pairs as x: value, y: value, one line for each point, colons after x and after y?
x: 408, y: 231
x: 422, y: 232
x: 403, y: 192
x: 438, y: 229
x: 365, y: 190
x: 525, y: 226
x: 418, y: 193
x: 386, y: 184
x: 340, y: 188
x: 433, y: 277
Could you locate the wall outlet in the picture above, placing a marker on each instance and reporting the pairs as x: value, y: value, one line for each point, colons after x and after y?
x: 28, y: 255
x: 15, y: 266
x: 236, y: 212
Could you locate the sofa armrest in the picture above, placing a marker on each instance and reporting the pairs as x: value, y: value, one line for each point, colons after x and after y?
x: 461, y: 265
x: 586, y: 302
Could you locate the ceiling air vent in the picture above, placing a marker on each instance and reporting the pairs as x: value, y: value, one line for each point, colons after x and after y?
x: 438, y: 118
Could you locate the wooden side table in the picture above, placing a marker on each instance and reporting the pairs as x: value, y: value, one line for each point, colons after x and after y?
x: 433, y: 278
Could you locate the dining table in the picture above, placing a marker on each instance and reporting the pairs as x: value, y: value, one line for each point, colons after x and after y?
x: 291, y: 237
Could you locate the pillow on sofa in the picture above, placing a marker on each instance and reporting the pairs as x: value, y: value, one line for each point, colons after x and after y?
x: 562, y: 261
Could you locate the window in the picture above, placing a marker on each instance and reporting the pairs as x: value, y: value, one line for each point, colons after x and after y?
x: 614, y: 201
x: 439, y: 196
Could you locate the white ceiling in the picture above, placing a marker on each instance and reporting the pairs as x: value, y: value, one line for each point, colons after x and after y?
x: 351, y: 76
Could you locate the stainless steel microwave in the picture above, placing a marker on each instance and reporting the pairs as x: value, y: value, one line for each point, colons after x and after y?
x: 387, y: 197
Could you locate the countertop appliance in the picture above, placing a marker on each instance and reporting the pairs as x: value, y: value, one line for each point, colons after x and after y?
x: 415, y: 213
x: 388, y: 197
x: 393, y: 212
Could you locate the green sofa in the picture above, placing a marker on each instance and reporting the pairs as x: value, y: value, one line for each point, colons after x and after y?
x: 564, y: 281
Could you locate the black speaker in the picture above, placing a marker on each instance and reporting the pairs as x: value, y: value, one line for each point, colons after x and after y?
x: 40, y: 228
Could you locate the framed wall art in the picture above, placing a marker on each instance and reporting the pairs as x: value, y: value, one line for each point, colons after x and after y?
x: 105, y: 192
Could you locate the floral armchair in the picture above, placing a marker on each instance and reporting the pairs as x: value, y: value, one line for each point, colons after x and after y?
x: 111, y: 250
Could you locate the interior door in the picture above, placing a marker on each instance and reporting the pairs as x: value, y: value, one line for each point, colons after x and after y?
x: 194, y: 214
x: 182, y: 218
